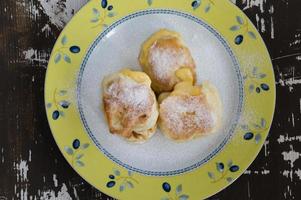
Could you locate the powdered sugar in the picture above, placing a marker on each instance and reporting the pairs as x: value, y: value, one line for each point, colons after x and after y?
x: 186, y: 114
x: 166, y: 61
x: 130, y: 94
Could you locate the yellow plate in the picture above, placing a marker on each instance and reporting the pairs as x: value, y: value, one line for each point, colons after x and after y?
x: 99, y: 167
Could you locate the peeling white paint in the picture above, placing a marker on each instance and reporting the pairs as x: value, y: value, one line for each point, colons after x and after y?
x: 288, y: 174
x: 265, y: 172
x: 29, y: 6
x: 24, y: 193
x: 252, y: 3
x: 55, y: 180
x: 298, y: 173
x: 2, y: 155
x: 257, y: 20
x: 297, y: 40
x: 260, y: 4
x: 75, y: 193
x: 29, y: 54
x: 60, y: 12
x: 51, y: 195
x: 266, y: 151
x: 32, y: 55
x: 46, y: 30
x: 21, y: 186
x: 291, y: 156
x: 262, y: 22
x: 29, y: 156
x: 22, y: 170
x: 290, y: 82
x: 271, y: 11
x: 288, y: 193
x: 286, y: 138
x: 286, y: 56
x: 272, y: 29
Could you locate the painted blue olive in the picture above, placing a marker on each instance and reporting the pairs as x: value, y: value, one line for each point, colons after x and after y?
x: 110, y: 7
x: 65, y: 105
x: 74, y: 49
x: 234, y: 168
x: 104, y: 3
x: 239, y: 39
x: 220, y: 166
x: 111, y: 176
x: 195, y: 4
x: 258, y: 90
x: 166, y: 187
x: 76, y: 144
x: 55, y: 115
x: 248, y: 136
x: 265, y: 87
x: 111, y: 184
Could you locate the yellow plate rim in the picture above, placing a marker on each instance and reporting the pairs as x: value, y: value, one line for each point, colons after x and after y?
x: 149, y: 187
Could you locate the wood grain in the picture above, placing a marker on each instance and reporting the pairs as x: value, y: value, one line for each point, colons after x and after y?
x: 31, y: 166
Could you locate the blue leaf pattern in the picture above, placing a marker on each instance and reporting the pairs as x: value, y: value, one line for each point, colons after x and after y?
x: 124, y: 182
x: 64, y: 40
x: 223, y: 171
x: 177, y: 194
x: 76, y: 153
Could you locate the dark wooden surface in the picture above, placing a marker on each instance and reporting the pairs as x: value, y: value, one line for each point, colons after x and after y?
x: 31, y: 166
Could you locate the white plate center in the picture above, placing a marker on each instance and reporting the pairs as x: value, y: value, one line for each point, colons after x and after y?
x: 119, y: 48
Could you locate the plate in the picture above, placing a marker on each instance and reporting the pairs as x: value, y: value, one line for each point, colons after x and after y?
x: 106, y: 36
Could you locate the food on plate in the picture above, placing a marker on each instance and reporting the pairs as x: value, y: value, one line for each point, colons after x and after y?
x: 189, y: 111
x: 186, y: 110
x: 130, y: 105
x: 161, y: 56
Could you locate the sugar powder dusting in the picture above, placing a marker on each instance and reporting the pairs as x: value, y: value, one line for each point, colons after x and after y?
x: 129, y: 94
x: 166, y: 61
x: 186, y: 114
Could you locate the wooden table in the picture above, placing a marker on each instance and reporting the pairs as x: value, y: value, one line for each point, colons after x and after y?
x: 32, y: 167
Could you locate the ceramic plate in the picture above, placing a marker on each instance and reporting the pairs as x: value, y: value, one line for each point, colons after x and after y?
x: 106, y: 36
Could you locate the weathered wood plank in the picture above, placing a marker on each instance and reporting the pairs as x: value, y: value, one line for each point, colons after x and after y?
x: 31, y: 165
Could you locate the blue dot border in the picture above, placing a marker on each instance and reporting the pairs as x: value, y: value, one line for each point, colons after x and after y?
x: 237, y: 70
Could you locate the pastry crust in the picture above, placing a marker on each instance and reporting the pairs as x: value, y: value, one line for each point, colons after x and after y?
x: 184, y: 116
x: 161, y: 56
x: 130, y: 105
